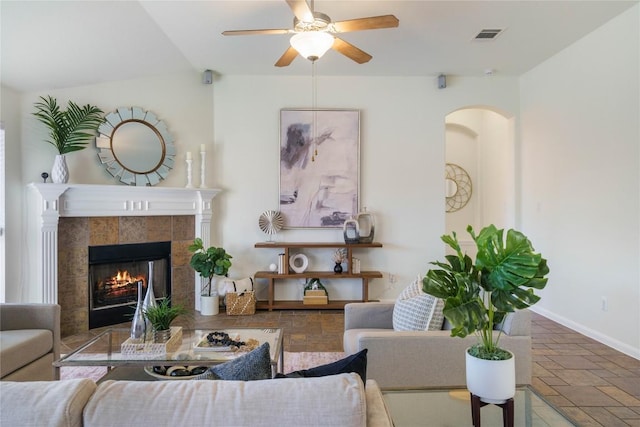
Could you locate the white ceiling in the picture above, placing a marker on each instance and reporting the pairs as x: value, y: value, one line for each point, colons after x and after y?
x: 56, y: 44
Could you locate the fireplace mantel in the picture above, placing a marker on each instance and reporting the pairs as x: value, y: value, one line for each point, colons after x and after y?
x: 53, y: 201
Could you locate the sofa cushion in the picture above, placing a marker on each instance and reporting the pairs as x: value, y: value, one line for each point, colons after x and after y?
x: 22, y: 346
x: 338, y: 400
x: 255, y: 365
x: 356, y: 363
x: 45, y: 403
x: 416, y: 310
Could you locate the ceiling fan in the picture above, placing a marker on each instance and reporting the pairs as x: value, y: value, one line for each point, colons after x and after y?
x: 314, y: 33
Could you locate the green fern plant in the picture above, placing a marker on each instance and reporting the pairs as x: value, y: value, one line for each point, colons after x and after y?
x: 69, y: 130
x: 163, y: 314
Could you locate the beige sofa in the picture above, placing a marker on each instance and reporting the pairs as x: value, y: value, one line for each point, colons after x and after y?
x: 337, y: 400
x: 419, y: 359
x: 29, y: 341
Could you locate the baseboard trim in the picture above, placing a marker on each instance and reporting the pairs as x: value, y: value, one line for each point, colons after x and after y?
x: 604, y: 339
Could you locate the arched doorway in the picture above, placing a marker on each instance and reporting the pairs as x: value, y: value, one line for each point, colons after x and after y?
x: 479, y: 149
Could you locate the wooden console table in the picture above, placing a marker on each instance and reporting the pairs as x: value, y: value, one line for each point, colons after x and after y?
x: 364, y: 276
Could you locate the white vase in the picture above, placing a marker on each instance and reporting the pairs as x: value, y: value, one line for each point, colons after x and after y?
x: 366, y: 226
x: 209, y: 305
x: 59, y: 171
x: 494, y: 381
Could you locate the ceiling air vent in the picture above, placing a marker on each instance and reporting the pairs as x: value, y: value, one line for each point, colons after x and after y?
x: 488, y: 34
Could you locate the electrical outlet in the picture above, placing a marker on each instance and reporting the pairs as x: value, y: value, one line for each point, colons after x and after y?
x: 604, y: 304
x: 392, y: 278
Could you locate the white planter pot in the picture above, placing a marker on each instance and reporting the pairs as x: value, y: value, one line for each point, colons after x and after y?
x: 60, y: 171
x: 209, y: 305
x: 494, y: 381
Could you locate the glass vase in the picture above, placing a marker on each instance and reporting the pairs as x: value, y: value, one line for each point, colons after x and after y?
x: 149, y: 298
x: 138, y: 325
x: 351, y: 231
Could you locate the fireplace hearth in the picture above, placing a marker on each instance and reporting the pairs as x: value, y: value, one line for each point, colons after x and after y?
x: 114, y: 274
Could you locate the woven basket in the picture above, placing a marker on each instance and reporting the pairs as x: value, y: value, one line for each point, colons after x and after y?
x: 241, y: 304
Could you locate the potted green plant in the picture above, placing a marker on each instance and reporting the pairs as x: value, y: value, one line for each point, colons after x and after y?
x: 209, y: 263
x: 161, y: 316
x: 69, y: 130
x: 478, y: 295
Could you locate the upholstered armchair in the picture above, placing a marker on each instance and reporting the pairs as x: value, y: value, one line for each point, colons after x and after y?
x: 29, y: 341
x: 418, y: 359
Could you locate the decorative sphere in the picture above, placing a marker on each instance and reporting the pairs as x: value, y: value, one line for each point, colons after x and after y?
x: 273, y: 267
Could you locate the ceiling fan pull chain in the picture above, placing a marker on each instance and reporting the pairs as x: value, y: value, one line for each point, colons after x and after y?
x: 314, y: 103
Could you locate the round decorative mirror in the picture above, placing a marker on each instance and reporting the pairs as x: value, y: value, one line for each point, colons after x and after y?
x: 458, y: 187
x: 135, y: 146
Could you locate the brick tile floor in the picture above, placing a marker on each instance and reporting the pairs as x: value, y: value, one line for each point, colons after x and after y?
x: 591, y: 383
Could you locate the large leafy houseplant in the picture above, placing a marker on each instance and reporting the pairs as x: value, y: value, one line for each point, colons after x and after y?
x: 209, y: 262
x: 478, y: 295
x: 70, y: 129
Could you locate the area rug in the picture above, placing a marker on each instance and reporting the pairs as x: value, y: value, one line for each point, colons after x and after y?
x: 293, y: 361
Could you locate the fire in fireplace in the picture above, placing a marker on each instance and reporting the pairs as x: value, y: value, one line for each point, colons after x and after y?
x: 114, y: 273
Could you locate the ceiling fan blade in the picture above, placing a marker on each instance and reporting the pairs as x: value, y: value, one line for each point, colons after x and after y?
x: 371, y: 23
x: 287, y: 58
x: 254, y: 32
x: 301, y: 10
x: 350, y: 51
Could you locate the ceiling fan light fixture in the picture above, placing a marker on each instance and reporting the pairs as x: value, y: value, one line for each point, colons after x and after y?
x: 312, y: 44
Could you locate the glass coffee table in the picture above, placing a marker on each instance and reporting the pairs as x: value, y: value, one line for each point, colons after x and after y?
x: 440, y: 408
x: 135, y: 363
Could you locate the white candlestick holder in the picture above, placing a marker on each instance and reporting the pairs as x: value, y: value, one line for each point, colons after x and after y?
x: 202, y: 169
x: 189, y: 164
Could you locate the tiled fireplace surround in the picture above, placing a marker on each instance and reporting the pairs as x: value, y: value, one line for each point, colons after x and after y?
x: 75, y: 235
x: 70, y: 218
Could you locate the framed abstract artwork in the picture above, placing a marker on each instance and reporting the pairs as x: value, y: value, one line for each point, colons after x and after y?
x: 319, y: 167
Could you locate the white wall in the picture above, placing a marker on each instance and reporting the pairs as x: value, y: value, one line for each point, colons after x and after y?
x: 402, y: 157
x: 10, y: 116
x: 497, y: 163
x: 180, y: 100
x: 481, y: 141
x: 402, y: 165
x: 580, y: 180
x: 462, y: 150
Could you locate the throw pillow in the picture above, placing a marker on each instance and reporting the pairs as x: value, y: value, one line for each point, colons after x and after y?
x: 255, y: 365
x: 227, y: 286
x: 416, y: 310
x: 355, y: 363
x: 243, y: 285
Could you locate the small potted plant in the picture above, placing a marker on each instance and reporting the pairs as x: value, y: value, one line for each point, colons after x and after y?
x: 478, y: 295
x: 161, y: 316
x: 209, y: 263
x: 69, y: 130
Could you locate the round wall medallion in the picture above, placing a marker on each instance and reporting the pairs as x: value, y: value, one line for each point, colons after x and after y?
x: 299, y: 263
x: 458, y: 188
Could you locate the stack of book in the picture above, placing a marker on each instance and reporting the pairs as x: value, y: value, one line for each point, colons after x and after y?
x: 315, y: 296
